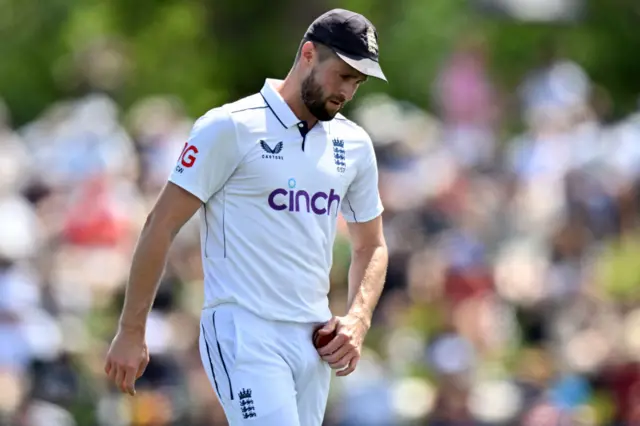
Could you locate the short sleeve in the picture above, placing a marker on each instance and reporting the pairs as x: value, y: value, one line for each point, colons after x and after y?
x: 209, y: 157
x: 362, y: 200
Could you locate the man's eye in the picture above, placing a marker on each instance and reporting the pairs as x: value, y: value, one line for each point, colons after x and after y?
x: 351, y: 77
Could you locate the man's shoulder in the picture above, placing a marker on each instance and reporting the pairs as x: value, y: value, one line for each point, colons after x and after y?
x: 351, y: 131
x: 244, y: 106
x: 229, y: 115
x: 235, y: 109
x: 248, y: 114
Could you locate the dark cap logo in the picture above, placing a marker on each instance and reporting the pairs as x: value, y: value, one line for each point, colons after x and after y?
x: 372, y: 42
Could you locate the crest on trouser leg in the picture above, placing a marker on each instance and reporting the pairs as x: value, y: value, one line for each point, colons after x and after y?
x: 246, y: 403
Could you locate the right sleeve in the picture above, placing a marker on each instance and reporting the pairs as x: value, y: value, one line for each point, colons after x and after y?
x: 209, y: 157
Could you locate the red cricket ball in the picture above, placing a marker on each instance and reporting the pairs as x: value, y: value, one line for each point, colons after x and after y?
x: 321, y: 340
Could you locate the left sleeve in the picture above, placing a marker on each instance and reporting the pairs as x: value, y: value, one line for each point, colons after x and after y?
x: 362, y: 201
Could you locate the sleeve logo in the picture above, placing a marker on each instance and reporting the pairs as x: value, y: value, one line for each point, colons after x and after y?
x: 187, y: 157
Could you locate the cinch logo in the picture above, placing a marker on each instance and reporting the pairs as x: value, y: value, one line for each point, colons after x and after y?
x: 294, y: 200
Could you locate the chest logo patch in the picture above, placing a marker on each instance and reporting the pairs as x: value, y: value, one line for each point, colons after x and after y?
x: 339, y: 155
x: 272, y: 153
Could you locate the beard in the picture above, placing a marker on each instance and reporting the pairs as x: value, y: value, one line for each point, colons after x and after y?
x: 314, y: 99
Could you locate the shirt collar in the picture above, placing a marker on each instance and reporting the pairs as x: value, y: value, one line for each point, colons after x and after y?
x: 277, y: 105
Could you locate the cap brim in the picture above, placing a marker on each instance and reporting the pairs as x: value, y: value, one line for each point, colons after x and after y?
x: 365, y: 65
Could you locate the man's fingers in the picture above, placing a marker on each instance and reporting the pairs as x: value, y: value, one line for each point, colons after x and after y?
x: 346, y: 371
x: 342, y: 362
x: 337, y: 355
x: 351, y: 367
x: 126, y: 361
x: 124, y: 377
x: 142, y: 368
x: 335, y: 344
x: 130, y: 380
x: 119, y: 377
x: 329, y: 327
x: 113, y: 370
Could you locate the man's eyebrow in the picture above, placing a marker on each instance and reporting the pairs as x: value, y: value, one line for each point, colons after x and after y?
x: 359, y: 76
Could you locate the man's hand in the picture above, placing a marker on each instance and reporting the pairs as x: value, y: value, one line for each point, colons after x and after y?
x: 344, y: 350
x: 127, y: 359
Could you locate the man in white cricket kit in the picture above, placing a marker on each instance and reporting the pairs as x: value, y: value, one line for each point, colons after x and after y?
x: 269, y: 175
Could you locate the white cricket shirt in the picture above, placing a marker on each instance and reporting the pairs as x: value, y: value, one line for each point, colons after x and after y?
x: 271, y: 191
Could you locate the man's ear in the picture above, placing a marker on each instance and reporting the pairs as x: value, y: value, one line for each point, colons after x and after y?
x: 308, y: 52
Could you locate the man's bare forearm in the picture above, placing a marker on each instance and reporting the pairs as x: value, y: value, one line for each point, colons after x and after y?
x: 366, y: 280
x: 148, y: 264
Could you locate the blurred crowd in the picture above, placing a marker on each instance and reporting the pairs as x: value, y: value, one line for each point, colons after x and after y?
x: 514, y: 259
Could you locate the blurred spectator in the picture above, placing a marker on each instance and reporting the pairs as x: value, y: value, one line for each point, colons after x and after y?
x: 468, y: 104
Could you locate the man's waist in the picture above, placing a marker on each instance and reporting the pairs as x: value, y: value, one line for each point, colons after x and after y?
x: 271, y: 310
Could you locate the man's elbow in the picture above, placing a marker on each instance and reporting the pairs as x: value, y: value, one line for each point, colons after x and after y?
x: 157, y: 225
x: 369, y: 248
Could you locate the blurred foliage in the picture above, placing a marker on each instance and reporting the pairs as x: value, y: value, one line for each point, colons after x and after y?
x: 209, y: 52
x: 618, y: 271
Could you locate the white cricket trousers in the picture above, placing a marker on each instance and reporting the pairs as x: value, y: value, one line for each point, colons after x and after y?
x: 265, y: 373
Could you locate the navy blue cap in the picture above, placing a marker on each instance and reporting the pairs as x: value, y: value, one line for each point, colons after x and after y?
x: 351, y: 36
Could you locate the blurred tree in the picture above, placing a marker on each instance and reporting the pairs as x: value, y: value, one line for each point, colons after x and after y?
x: 29, y: 44
x: 209, y: 52
x: 604, y: 42
x: 415, y: 37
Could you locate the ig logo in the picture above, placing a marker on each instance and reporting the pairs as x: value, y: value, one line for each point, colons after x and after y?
x: 187, y: 159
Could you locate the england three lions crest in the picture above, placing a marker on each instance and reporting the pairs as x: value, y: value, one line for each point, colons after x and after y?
x: 339, y: 155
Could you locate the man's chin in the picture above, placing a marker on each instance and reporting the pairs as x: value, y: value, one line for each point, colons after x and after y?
x: 330, y: 113
x: 325, y: 115
x: 330, y: 117
x: 325, y: 112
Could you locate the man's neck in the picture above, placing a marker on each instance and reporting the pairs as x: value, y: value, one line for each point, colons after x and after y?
x: 290, y: 92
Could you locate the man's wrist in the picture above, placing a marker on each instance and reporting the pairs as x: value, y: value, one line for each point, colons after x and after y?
x: 132, y: 327
x: 362, y: 317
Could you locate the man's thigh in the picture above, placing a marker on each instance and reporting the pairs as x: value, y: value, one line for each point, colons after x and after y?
x: 313, y: 387
x: 253, y: 383
x: 286, y: 414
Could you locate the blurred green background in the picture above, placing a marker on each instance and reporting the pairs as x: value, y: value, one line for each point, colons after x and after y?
x: 206, y: 53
